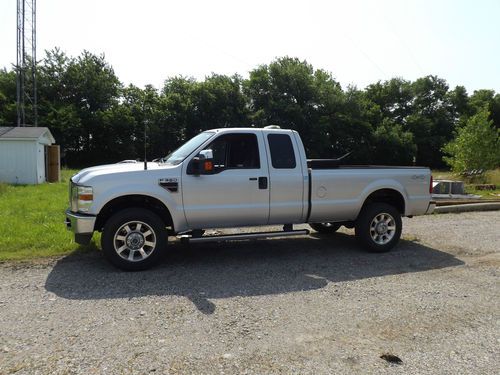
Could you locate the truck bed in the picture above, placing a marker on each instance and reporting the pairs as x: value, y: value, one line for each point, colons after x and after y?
x: 337, y: 193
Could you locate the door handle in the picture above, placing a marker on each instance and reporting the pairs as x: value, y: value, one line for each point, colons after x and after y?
x: 262, y: 183
x: 253, y: 178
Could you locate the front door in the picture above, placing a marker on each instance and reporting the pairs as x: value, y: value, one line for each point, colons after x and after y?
x: 237, y: 193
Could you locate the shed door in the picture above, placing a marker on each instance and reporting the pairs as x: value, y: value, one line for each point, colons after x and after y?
x: 40, y: 163
x: 46, y: 160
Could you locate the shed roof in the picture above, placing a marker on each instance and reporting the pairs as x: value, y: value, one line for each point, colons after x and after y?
x: 25, y: 132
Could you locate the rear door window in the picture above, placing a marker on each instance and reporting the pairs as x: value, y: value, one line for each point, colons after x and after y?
x: 282, y: 154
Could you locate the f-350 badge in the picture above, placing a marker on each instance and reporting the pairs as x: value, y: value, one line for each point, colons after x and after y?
x: 170, y: 184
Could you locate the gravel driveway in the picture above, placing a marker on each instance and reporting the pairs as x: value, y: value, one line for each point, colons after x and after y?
x: 315, y: 305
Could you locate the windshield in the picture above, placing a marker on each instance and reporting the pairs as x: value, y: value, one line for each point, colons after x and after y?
x: 187, y: 148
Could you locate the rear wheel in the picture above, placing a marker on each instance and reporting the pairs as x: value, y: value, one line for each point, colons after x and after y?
x: 326, y: 228
x: 134, y: 239
x: 378, y: 227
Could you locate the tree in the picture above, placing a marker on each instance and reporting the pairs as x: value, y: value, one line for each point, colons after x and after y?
x: 180, y: 102
x: 476, y: 146
x: 284, y: 93
x: 290, y: 93
x: 97, y: 120
x: 392, y: 145
x: 461, y: 107
x: 117, y: 137
x: 8, y: 111
x: 432, y: 120
x: 394, y: 99
x: 73, y: 93
x: 347, y: 128
x: 145, y: 109
x: 54, y: 109
x: 220, y: 102
x: 481, y: 98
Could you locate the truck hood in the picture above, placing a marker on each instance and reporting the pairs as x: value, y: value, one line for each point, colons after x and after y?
x: 87, y: 173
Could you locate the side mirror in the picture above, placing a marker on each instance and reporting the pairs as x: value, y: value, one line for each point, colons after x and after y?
x: 203, y: 163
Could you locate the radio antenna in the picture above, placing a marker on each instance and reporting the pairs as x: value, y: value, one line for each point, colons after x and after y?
x: 145, y: 146
x: 26, y: 91
x: 145, y: 133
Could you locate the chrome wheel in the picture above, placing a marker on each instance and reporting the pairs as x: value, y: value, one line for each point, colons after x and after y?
x: 134, y: 241
x: 382, y: 228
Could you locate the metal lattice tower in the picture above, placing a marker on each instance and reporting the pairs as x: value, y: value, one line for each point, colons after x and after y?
x: 26, y: 63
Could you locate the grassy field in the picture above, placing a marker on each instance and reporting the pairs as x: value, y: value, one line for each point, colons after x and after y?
x: 490, y: 177
x: 32, y: 218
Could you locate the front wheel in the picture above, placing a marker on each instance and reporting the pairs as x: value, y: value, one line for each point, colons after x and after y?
x: 378, y: 227
x: 134, y: 239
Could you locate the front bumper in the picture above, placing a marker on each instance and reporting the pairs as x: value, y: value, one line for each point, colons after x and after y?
x: 431, y: 207
x: 81, y: 225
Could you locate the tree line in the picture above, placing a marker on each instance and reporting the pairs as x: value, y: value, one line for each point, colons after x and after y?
x: 96, y: 119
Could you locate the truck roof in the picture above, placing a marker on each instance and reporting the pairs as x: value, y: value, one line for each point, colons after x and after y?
x: 248, y: 129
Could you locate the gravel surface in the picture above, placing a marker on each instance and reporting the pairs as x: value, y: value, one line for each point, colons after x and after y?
x: 315, y: 305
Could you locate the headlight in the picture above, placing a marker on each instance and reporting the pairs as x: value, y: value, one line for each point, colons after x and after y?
x: 85, y: 197
x: 73, y: 198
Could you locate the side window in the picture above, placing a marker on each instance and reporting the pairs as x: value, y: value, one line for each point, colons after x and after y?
x: 219, y: 149
x: 240, y: 151
x: 282, y: 155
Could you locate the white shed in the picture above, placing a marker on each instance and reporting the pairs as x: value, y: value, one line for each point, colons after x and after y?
x: 23, y: 154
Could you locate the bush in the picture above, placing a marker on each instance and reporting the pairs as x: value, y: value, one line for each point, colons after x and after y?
x: 476, y: 146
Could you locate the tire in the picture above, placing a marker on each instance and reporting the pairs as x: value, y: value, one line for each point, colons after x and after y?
x: 326, y: 228
x: 134, y: 239
x: 378, y: 227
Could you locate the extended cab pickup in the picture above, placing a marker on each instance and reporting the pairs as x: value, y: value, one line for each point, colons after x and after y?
x: 237, y: 177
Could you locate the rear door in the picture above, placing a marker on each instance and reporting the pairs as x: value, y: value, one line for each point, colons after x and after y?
x: 286, y: 179
x: 237, y: 193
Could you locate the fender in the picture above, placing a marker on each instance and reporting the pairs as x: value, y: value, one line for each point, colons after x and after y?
x: 379, y: 185
x: 173, y: 204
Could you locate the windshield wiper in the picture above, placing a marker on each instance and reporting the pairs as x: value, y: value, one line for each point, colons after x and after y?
x: 159, y: 160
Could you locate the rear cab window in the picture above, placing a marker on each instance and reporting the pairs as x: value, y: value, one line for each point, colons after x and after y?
x: 282, y: 154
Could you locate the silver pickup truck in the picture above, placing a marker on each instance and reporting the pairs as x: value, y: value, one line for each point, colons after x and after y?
x: 237, y: 177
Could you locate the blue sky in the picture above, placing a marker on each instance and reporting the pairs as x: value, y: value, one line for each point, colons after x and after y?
x: 358, y: 41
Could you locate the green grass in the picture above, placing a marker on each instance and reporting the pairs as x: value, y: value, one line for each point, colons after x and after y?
x: 32, y: 218
x: 490, y: 177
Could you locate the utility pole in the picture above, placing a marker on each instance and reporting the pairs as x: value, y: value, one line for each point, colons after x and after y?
x: 26, y: 90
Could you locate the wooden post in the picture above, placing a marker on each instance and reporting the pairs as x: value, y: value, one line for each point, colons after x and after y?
x: 54, y: 174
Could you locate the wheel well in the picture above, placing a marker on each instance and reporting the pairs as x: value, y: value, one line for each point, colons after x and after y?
x: 128, y: 201
x: 389, y: 196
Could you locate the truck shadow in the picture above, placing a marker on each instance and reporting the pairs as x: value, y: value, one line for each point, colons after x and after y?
x: 205, y: 272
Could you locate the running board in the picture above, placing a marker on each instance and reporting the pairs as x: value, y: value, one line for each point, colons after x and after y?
x: 244, y: 236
